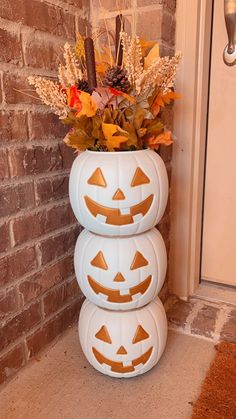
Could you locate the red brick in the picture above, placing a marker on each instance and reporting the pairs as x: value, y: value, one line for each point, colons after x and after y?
x: 4, y: 237
x: 54, y: 300
x: 42, y: 281
x: 10, y: 47
x: 41, y: 54
x: 4, y: 169
x: 59, y: 296
x: 46, y: 126
x: 22, y: 323
x: 14, y: 198
x: 168, y: 29
x: 111, y: 5
x: 170, y: 4
x: 53, y: 328
x: 38, y: 159
x: 165, y: 50
x: 1, y: 92
x: 76, y: 3
x: 167, y: 117
x: 228, y: 331
x: 72, y: 289
x: 13, y: 126
x: 167, y: 211
x: 54, y: 247
x: 13, y: 85
x: 30, y: 226
x: 8, y: 303
x: 51, y: 189
x: 179, y: 312
x: 11, y: 362
x: 164, y: 228
x: 204, y: 322
x: 17, y: 264
x: 165, y: 152
x: 167, y: 245
x: 67, y: 154
x: 169, y: 172
x: 149, y: 24
x: 40, y: 16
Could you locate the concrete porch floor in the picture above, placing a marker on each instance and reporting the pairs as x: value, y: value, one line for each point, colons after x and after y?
x: 60, y: 384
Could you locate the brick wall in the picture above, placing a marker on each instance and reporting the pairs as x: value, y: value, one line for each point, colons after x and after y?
x: 39, y: 296
x: 154, y: 20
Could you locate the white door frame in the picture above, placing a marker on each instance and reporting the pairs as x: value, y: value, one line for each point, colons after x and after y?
x: 193, y: 34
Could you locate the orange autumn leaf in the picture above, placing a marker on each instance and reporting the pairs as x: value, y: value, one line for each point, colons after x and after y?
x: 163, y: 138
x: 89, y: 107
x: 73, y: 98
x: 114, y: 135
x: 162, y: 100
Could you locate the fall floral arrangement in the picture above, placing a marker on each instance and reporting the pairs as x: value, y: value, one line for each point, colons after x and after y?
x: 112, y: 98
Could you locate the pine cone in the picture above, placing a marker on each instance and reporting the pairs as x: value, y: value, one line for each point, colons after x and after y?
x: 116, y: 77
x: 83, y: 86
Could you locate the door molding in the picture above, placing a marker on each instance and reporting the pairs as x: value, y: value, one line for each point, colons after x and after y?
x: 193, y: 38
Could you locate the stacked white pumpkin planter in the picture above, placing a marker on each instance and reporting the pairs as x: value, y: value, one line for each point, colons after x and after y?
x: 120, y: 258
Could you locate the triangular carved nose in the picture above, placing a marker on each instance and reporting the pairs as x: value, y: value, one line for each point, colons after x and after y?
x: 119, y: 278
x: 121, y: 351
x: 118, y: 195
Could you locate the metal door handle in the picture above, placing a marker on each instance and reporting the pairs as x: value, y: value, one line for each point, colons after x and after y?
x: 229, y: 54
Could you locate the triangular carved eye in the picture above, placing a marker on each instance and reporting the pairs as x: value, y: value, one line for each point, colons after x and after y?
x: 99, y: 261
x: 103, y: 335
x: 140, y: 334
x: 138, y: 261
x: 97, y: 178
x: 139, y: 178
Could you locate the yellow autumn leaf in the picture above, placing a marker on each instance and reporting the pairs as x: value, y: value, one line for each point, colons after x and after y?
x: 152, y: 56
x: 146, y: 45
x: 79, y: 46
x: 114, y: 135
x: 89, y: 107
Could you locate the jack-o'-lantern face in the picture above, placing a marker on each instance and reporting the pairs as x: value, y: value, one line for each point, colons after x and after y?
x: 129, y: 365
x: 124, y: 215
x: 114, y: 295
x: 123, y: 343
x: 120, y: 273
x: 118, y: 193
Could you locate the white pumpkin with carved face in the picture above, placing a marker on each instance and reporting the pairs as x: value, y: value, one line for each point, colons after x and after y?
x: 123, y: 344
x: 120, y: 273
x: 118, y: 193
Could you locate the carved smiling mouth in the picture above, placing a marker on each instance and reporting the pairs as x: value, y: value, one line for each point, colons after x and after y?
x: 117, y: 216
x: 119, y: 366
x: 114, y: 296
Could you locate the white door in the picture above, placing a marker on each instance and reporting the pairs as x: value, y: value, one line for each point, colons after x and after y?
x: 219, y: 212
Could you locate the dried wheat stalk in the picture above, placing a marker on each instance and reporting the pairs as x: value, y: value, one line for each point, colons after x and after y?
x: 70, y: 73
x: 51, y: 94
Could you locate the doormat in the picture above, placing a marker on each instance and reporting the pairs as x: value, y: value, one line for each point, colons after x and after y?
x: 218, y: 392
